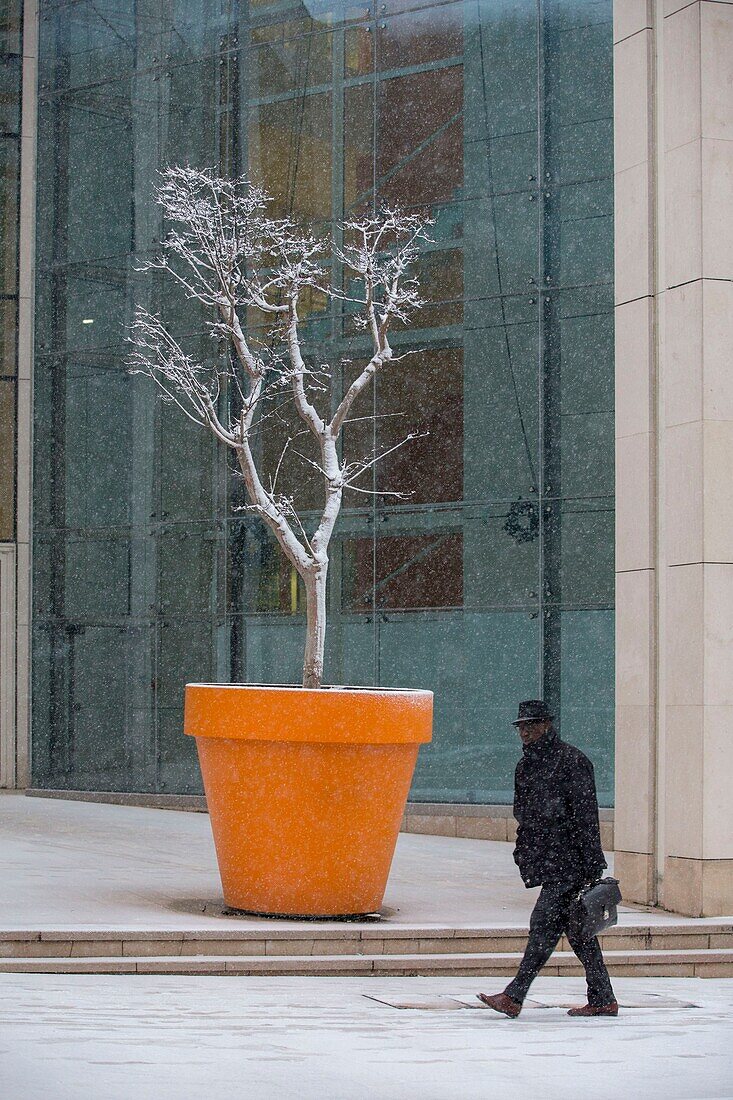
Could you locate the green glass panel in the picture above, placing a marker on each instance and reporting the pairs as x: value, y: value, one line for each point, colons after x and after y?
x: 98, y: 700
x: 587, y: 662
x: 288, y: 55
x: 97, y: 225
x: 426, y: 393
x: 96, y: 446
x: 84, y: 48
x: 97, y: 577
x: 187, y: 468
x: 406, y: 571
x: 44, y: 727
x: 358, y: 150
x: 275, y: 647
x: 580, y: 546
x: 196, y: 124
x: 501, y: 557
x: 10, y: 68
x: 420, y: 137
x: 178, y: 768
x: 187, y: 565
x: 352, y: 651
x: 501, y: 457
x: 185, y: 654
x: 259, y: 576
x: 11, y: 26
x: 496, y: 118
x: 95, y: 300
x: 420, y: 37
x: 478, y: 666
x: 290, y: 154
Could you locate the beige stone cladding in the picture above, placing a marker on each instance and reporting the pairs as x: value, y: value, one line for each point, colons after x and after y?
x: 477, y: 822
x: 674, y: 384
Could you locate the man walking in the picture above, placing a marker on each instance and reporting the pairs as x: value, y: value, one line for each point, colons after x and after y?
x: 559, y: 848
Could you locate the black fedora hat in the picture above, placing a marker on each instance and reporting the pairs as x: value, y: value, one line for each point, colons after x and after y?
x: 533, y: 710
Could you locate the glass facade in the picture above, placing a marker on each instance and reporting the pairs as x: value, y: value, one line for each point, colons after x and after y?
x: 10, y: 90
x: 495, y: 581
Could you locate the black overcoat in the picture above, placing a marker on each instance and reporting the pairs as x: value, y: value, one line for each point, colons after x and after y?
x: 556, y: 807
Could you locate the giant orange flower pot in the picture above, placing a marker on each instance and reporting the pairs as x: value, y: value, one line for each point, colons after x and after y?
x: 306, y: 790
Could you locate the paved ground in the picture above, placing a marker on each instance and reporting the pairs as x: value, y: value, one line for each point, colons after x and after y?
x: 87, y: 866
x: 104, y: 1037
x: 136, y: 1038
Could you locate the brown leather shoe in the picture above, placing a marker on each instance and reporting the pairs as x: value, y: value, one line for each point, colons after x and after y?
x: 501, y: 1002
x: 595, y: 1010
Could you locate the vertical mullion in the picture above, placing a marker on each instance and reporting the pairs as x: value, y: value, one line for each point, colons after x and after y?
x: 335, y: 581
x: 59, y: 734
x: 228, y: 108
x: 375, y: 149
x: 541, y: 300
x: 550, y: 488
x: 238, y: 533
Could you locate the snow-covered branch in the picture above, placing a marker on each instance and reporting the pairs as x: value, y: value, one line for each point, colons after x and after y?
x: 356, y: 469
x: 384, y: 249
x: 226, y: 255
x: 192, y: 386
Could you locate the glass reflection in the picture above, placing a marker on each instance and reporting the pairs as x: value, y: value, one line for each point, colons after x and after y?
x: 494, y: 573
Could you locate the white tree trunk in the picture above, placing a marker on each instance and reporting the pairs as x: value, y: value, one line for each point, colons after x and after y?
x: 315, y: 591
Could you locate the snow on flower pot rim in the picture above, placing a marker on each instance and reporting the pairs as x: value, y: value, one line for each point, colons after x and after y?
x: 306, y: 789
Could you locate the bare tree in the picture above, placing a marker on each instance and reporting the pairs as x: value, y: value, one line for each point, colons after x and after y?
x: 225, y: 252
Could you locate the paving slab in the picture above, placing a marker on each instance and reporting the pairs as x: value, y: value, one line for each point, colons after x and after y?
x: 96, y: 869
x: 446, y: 1003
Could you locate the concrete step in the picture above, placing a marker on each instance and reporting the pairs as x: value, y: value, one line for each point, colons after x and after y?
x: 708, y: 963
x: 346, y: 940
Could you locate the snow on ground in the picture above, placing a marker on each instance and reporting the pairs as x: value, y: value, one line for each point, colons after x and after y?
x: 181, y: 1038
x: 80, y: 865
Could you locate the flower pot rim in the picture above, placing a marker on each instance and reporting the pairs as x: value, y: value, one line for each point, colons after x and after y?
x: 332, y: 688
x: 336, y: 715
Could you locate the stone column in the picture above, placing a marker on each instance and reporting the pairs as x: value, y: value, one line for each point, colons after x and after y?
x: 636, y: 576
x: 674, y: 287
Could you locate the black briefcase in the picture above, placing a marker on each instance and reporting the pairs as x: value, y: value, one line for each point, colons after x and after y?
x: 595, y: 909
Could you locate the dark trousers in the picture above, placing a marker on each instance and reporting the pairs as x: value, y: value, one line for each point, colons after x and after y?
x: 547, y: 924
